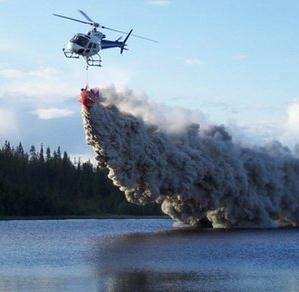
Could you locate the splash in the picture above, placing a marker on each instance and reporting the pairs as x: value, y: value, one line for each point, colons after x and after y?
x: 197, y: 173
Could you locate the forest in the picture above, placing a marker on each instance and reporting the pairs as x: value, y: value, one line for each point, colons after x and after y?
x: 47, y: 183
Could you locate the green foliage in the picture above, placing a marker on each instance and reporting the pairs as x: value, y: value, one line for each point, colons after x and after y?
x: 51, y: 185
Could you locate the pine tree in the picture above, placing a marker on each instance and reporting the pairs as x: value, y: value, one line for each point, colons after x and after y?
x: 20, y: 150
x: 33, y: 154
x: 41, y: 154
x: 48, y: 154
x: 58, y: 153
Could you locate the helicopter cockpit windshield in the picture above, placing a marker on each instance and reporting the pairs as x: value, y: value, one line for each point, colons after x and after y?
x: 80, y: 40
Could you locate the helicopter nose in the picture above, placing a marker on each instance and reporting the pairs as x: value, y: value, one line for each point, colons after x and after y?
x: 71, y: 47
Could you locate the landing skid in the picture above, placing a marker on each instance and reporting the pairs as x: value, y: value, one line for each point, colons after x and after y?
x: 71, y: 54
x: 94, y: 60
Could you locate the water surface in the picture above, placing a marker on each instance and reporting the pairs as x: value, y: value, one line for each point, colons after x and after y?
x: 144, y: 255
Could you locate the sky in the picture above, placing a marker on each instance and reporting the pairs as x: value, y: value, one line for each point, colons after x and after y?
x: 235, y: 61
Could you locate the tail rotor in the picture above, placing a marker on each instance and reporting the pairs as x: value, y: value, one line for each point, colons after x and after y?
x: 124, y: 42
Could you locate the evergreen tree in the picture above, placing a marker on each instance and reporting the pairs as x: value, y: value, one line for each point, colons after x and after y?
x: 31, y: 185
x: 41, y: 154
x: 20, y: 150
x: 58, y: 153
x: 48, y: 154
x: 33, y: 154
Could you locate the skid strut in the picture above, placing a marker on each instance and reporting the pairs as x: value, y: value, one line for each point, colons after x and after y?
x: 94, y: 60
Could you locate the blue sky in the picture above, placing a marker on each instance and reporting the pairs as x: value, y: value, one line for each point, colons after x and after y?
x: 236, y: 61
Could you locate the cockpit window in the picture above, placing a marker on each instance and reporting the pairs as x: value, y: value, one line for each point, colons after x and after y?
x: 80, y: 40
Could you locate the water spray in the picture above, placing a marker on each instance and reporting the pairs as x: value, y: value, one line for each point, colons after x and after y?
x: 197, y: 174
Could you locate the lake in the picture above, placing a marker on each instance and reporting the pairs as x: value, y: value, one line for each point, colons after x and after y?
x: 144, y: 255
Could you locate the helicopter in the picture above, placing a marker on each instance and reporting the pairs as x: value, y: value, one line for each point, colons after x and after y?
x: 89, y: 45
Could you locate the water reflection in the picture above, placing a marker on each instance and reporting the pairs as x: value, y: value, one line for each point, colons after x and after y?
x: 189, y: 260
x: 153, y: 281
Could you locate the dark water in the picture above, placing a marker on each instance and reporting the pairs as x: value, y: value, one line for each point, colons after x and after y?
x: 144, y: 255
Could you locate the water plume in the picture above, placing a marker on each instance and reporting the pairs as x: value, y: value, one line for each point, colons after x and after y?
x: 194, y: 170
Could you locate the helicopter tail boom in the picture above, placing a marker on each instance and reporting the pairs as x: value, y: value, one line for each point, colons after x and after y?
x: 107, y: 44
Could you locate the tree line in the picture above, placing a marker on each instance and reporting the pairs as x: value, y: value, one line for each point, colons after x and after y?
x: 47, y: 183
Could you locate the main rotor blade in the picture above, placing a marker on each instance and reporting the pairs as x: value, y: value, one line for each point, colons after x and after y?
x: 62, y: 16
x: 85, y: 15
x: 135, y: 35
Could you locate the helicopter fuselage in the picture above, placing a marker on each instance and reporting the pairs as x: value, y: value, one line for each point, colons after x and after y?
x: 89, y: 45
x: 84, y: 44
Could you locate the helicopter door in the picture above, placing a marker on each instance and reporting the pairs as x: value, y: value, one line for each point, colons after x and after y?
x: 92, y: 47
x: 87, y: 51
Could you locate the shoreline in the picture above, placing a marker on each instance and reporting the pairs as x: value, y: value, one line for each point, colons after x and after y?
x: 68, y: 217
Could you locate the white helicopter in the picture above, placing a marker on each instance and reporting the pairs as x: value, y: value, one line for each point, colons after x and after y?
x: 88, y: 45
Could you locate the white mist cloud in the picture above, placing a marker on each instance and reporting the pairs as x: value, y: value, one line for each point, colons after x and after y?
x: 52, y: 113
x: 153, y: 113
x: 219, y: 180
x: 290, y: 134
x: 240, y: 57
x: 159, y: 2
x: 8, y: 122
x: 12, y: 73
x: 293, y: 117
x: 194, y: 61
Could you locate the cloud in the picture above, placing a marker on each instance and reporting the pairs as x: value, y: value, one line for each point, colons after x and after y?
x: 8, y: 122
x: 40, y: 86
x: 159, y: 2
x: 52, y: 113
x: 293, y: 117
x: 48, y: 86
x: 279, y: 123
x: 4, y: 47
x: 44, y: 72
x: 286, y: 128
x: 12, y: 73
x: 240, y: 57
x: 194, y: 61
